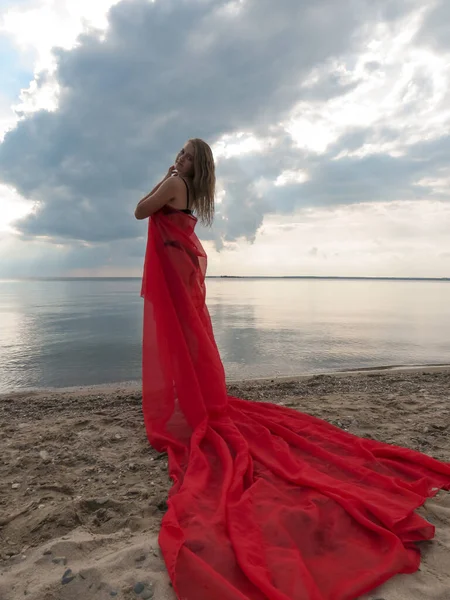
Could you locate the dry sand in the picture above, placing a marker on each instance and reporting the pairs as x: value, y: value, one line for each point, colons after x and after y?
x: 82, y: 493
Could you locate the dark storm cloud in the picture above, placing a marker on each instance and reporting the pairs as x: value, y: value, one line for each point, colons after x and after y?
x: 167, y: 71
x: 352, y: 179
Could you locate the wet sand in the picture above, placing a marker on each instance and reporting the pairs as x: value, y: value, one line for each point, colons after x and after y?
x: 82, y: 493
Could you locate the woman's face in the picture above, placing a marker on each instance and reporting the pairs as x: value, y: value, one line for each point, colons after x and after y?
x: 184, y: 163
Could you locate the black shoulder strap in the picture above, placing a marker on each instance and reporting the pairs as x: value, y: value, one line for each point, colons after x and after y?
x: 187, y: 190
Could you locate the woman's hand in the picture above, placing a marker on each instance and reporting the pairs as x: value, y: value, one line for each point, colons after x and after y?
x: 171, y: 172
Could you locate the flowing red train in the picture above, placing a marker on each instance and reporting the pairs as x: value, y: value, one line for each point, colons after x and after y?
x: 267, y: 503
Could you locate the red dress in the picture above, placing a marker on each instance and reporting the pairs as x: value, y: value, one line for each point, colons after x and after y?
x: 267, y: 502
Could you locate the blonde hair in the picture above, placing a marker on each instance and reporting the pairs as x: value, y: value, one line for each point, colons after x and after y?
x: 204, y: 181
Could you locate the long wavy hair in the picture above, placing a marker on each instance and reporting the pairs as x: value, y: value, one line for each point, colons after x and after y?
x: 204, y: 181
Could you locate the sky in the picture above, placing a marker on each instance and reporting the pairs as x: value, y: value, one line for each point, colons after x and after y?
x: 329, y: 122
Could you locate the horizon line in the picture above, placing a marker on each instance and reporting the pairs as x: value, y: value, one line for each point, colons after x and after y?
x: 352, y: 277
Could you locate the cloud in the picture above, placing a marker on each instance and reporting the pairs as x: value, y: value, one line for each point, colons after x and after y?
x: 376, y: 177
x: 322, y: 118
x: 36, y: 26
x: 163, y: 72
x: 372, y: 239
x: 45, y: 258
x: 408, y: 239
x: 435, y: 31
x: 7, y: 116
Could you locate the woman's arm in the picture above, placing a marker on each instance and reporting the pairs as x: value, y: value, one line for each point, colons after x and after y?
x: 170, y: 172
x: 161, y: 195
x: 157, y: 186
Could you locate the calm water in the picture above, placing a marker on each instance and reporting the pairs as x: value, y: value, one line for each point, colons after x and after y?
x: 61, y: 333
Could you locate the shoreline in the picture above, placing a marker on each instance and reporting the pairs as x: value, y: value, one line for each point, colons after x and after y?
x: 83, y: 490
x: 134, y: 385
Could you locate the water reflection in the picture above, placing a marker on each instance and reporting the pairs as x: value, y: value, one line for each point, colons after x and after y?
x: 80, y: 332
x: 69, y: 333
x: 319, y: 325
x: 236, y: 333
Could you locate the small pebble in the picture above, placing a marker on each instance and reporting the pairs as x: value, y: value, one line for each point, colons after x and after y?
x: 67, y: 577
x: 147, y: 594
x: 113, y: 593
x: 60, y: 560
x: 15, y: 486
x: 139, y: 588
x: 47, y: 552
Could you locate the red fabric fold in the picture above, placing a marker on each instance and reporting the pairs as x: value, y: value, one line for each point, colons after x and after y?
x: 267, y: 502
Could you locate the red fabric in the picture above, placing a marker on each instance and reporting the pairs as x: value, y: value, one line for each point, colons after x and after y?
x: 267, y: 502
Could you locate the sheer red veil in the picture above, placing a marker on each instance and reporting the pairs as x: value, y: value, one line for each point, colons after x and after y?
x: 267, y: 502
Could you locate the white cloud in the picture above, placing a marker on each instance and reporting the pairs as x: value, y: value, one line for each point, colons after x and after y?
x: 238, y: 144
x: 398, y: 86
x: 396, y: 239
x: 12, y: 207
x: 291, y: 176
x: 7, y: 115
x: 438, y: 185
x: 36, y: 27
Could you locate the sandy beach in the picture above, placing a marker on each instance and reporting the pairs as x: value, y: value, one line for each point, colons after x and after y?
x: 82, y: 493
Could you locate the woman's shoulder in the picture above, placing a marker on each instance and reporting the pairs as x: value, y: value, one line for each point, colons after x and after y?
x: 175, y: 185
x: 180, y: 183
x: 183, y: 180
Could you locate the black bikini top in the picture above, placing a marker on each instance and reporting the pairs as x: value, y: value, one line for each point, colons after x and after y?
x: 186, y: 210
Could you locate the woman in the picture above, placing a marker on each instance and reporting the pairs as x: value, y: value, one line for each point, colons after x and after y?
x: 184, y: 187
x: 267, y: 502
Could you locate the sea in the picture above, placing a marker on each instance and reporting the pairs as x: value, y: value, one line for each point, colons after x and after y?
x: 74, y: 332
